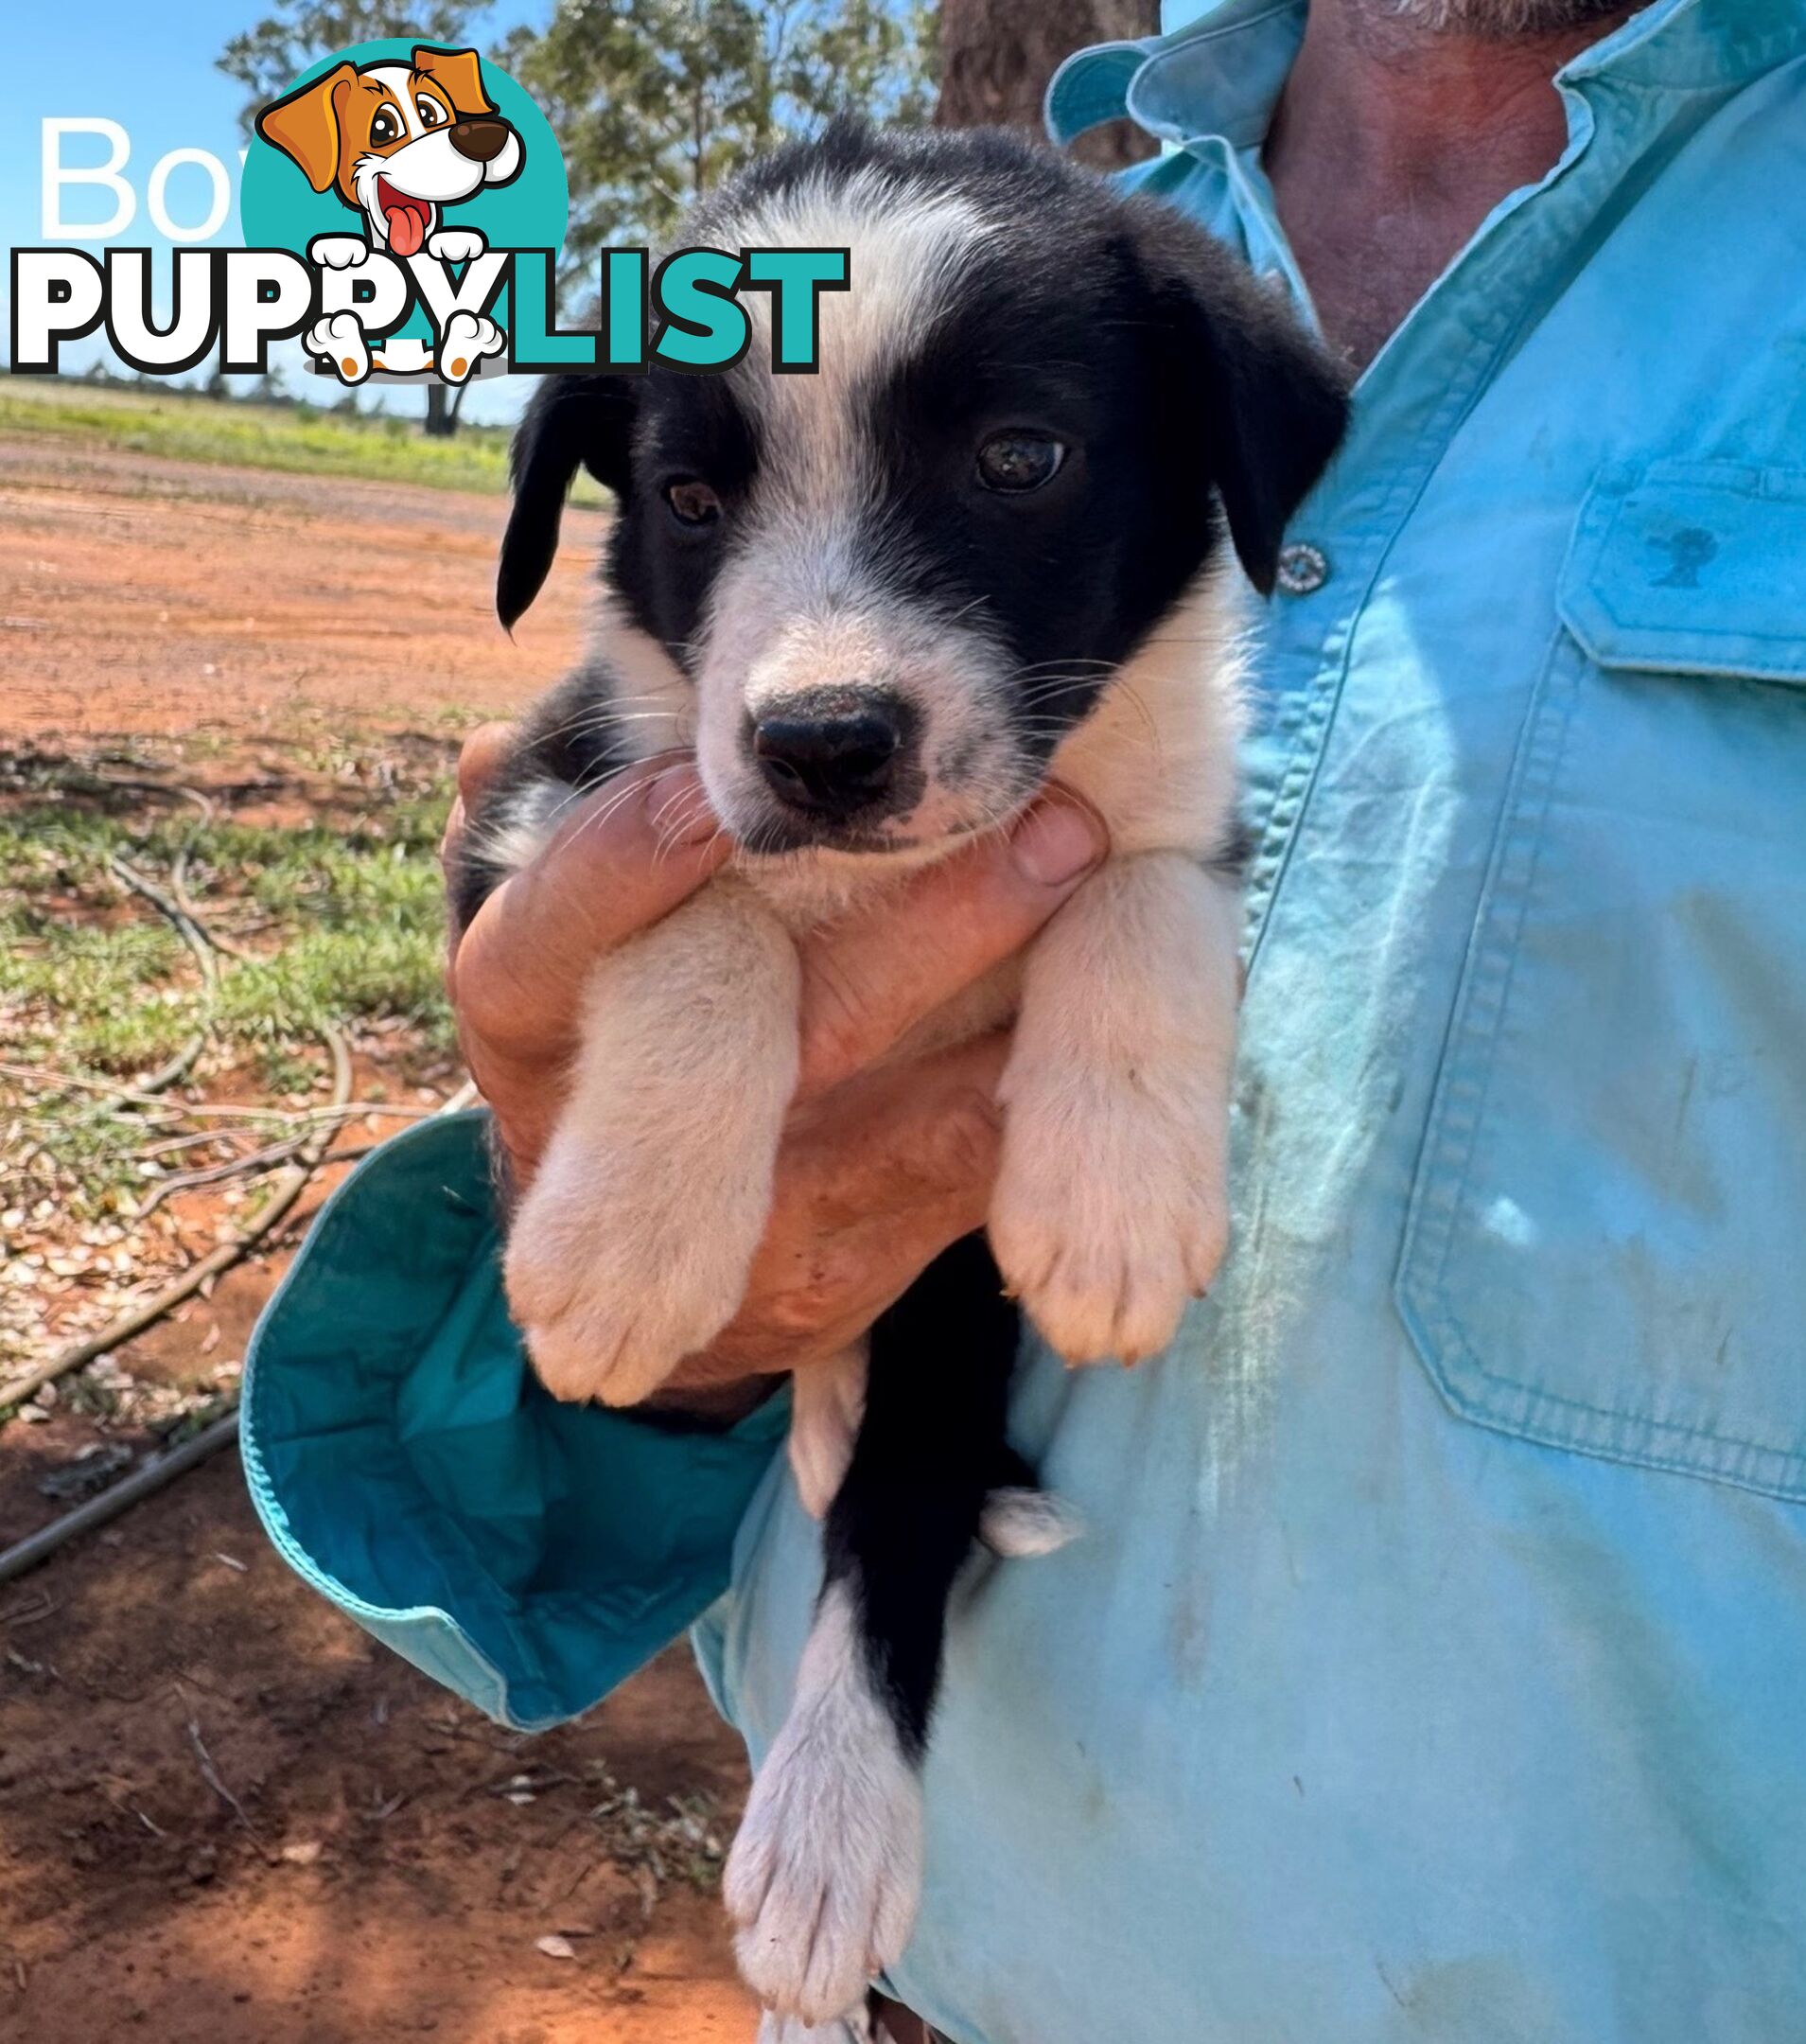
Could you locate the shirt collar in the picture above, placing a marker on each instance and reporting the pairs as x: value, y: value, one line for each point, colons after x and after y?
x: 1221, y: 75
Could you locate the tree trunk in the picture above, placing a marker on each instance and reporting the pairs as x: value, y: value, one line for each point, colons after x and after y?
x: 442, y: 417
x: 997, y: 58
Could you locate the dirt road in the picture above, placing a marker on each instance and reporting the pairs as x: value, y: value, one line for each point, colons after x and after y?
x: 148, y: 597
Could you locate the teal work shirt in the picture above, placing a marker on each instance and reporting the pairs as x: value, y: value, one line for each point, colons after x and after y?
x: 1434, y: 1665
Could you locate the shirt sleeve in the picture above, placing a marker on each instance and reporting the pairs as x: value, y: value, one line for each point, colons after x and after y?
x: 405, y: 1461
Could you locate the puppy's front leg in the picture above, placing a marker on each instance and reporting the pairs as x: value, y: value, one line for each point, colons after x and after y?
x: 632, y: 1246
x: 1111, y: 1209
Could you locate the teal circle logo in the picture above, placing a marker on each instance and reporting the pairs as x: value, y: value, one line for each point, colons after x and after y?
x: 412, y: 149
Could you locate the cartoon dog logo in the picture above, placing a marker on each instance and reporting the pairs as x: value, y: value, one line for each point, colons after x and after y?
x: 399, y: 143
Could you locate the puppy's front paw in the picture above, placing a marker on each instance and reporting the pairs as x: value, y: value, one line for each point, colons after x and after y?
x: 456, y: 244
x: 613, y: 1283
x: 1110, y: 1214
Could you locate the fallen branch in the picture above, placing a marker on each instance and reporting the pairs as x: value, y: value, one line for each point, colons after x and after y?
x: 226, y: 1110
x: 145, y: 1480
x: 179, y: 890
x: 151, y: 1476
x: 313, y: 1152
x: 126, y: 786
x: 286, y: 1187
x: 189, y: 928
x: 194, y: 934
x: 239, y: 1166
x: 190, y: 1139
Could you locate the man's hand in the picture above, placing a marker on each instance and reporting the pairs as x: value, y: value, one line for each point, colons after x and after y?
x: 882, y: 1168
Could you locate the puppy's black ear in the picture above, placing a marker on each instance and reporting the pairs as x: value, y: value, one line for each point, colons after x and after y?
x: 572, y: 422
x: 1265, y: 400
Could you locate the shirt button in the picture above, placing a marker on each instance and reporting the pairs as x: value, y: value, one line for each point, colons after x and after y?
x: 1302, y: 568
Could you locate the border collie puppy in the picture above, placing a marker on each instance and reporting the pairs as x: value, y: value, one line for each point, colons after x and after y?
x: 987, y: 546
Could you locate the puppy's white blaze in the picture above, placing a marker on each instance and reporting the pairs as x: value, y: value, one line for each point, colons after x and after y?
x: 1020, y: 1523
x: 906, y: 254
x: 824, y: 1876
x: 807, y: 601
x: 400, y: 81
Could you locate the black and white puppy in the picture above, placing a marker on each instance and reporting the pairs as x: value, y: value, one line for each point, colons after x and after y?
x: 885, y: 604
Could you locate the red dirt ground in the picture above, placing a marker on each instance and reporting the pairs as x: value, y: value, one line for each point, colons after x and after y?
x: 170, y: 597
x: 157, y: 598
x: 137, y: 1903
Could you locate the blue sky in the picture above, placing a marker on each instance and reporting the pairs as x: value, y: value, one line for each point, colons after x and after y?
x: 151, y: 67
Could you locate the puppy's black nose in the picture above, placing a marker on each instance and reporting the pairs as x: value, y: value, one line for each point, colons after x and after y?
x: 479, y: 138
x: 829, y: 758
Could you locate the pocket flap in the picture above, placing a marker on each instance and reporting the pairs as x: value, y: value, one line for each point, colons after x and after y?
x: 1691, y: 568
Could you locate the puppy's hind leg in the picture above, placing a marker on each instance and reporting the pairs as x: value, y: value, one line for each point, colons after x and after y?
x: 852, y: 2028
x: 825, y: 1875
x: 634, y: 1243
x: 827, y: 1401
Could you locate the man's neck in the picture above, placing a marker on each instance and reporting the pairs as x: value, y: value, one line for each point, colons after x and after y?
x: 1391, y: 142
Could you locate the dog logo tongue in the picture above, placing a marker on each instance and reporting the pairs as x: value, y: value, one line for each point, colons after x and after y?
x: 405, y: 218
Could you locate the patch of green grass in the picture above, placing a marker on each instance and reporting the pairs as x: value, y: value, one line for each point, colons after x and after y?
x: 351, y: 928
x: 188, y: 427
x: 381, y: 448
x: 108, y: 994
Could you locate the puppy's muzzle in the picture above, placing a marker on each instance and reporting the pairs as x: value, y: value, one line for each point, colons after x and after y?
x: 834, y: 755
x: 479, y: 138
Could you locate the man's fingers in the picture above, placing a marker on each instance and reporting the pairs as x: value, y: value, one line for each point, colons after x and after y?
x: 872, y: 1186
x: 480, y: 759
x: 905, y: 1136
x: 484, y: 754
x: 868, y: 983
x: 622, y: 858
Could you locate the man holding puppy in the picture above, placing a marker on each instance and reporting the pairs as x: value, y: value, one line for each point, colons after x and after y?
x: 1432, y: 1665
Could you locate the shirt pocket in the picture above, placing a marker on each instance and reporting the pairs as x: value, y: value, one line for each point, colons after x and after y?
x: 1607, y: 1244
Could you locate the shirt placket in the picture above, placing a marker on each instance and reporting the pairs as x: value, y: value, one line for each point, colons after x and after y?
x: 1407, y: 408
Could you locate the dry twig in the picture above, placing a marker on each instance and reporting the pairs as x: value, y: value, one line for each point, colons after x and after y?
x: 239, y: 1166
x: 284, y: 1190
x: 210, y: 1775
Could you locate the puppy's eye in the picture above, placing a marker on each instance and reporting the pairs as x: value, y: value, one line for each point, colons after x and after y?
x: 385, y: 128
x: 432, y: 113
x: 693, y: 503
x: 1015, y: 463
